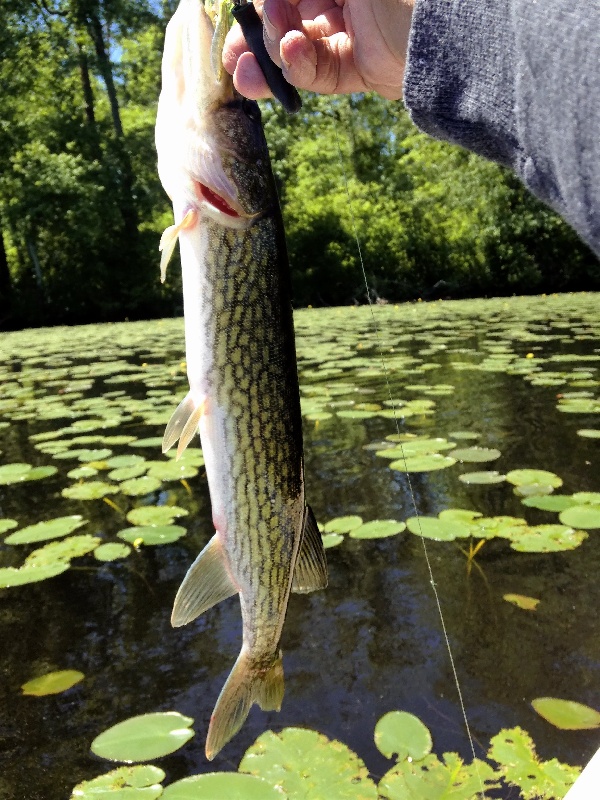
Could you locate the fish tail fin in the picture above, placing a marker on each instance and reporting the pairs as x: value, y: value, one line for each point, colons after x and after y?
x: 168, y: 240
x: 183, y: 424
x: 248, y: 683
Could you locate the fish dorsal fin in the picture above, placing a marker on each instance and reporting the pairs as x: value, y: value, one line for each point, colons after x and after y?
x: 183, y: 424
x: 310, y: 572
x: 168, y: 240
x: 206, y: 583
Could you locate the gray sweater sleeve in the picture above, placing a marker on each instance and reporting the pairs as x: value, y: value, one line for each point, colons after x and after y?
x: 517, y: 81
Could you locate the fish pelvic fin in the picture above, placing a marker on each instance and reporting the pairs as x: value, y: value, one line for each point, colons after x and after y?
x: 247, y: 683
x: 206, y: 583
x: 310, y: 572
x: 183, y: 425
x: 168, y: 240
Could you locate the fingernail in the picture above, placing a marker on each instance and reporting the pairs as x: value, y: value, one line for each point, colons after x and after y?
x: 270, y: 29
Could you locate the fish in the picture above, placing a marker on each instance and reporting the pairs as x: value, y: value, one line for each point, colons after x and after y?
x: 214, y: 164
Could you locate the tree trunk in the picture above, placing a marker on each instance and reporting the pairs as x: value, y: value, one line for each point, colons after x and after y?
x: 5, y: 283
x: 88, y: 98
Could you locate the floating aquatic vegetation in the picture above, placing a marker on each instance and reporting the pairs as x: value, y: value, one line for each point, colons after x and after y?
x: 155, y: 515
x: 50, y: 529
x: 20, y: 473
x: 144, y: 737
x: 111, y: 551
x: 482, y: 478
x: 522, y: 601
x: 568, y: 715
x: 475, y: 454
x: 139, y: 782
x: 232, y: 785
x: 378, y: 529
x: 401, y: 735
x: 152, y: 534
x: 91, y: 490
x: 52, y: 682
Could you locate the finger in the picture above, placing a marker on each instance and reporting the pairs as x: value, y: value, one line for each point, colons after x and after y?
x: 248, y: 78
x: 325, y: 65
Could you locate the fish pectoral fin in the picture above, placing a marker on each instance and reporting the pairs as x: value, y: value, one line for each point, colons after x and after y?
x: 205, y: 584
x: 183, y: 424
x: 310, y: 572
x: 168, y: 240
x: 248, y: 683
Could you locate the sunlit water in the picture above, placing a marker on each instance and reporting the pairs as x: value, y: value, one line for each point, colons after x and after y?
x: 371, y: 642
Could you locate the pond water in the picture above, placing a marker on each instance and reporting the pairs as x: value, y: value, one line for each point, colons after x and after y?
x: 520, y: 375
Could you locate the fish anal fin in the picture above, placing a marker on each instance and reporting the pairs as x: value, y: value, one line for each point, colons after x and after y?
x: 248, y: 683
x: 206, y: 583
x: 168, y: 240
x: 310, y: 571
x: 183, y: 424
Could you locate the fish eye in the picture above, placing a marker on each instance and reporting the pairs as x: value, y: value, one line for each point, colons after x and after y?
x: 251, y: 109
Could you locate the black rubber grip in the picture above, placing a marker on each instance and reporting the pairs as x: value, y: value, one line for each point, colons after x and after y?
x: 252, y: 29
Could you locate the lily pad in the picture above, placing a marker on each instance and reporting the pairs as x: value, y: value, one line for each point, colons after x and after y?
x: 521, y: 477
x: 584, y: 516
x: 31, y: 573
x: 91, y: 490
x: 119, y: 462
x: 547, y: 539
x: 476, y: 454
x: 482, y: 478
x: 342, y: 524
x: 82, y: 472
x: 50, y: 529
x: 522, y: 601
x: 432, y: 779
x: 139, y: 782
x: 589, y: 433
x: 553, y: 502
x: 7, y: 525
x: 332, y: 540
x: 568, y: 715
x: 152, y: 534
x: 64, y: 550
x: 111, y: 551
x: 127, y: 473
x: 20, y: 473
x: 137, y: 487
x: 423, y: 463
x: 402, y: 735
x: 520, y: 766
x: 144, y: 737
x: 378, y: 529
x: 438, y: 529
x: 155, y: 515
x: 230, y: 785
x: 172, y: 470
x: 52, y: 682
x: 307, y: 765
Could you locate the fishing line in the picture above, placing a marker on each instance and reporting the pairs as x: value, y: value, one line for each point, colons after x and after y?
x: 397, y: 424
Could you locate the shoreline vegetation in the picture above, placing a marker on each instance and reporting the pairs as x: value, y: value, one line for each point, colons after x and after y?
x: 82, y: 210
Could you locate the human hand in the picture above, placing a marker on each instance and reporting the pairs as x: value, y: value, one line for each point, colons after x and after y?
x: 326, y: 46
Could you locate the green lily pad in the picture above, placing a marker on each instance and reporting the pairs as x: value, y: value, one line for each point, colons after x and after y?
x: 476, y: 454
x: 64, y: 550
x: 553, y: 502
x: 438, y: 529
x: 119, y: 462
x: 533, y: 489
x: 154, y: 442
x: 424, y: 463
x: 332, y: 540
x: 482, y: 478
x: 432, y: 779
x: 20, y: 473
x: 111, y: 551
x: 139, y: 782
x: 155, y: 515
x: 464, y: 435
x: 82, y: 472
x: 92, y: 490
x: 172, y: 470
x: 521, y: 477
x: 568, y: 715
x: 587, y: 498
x: 589, y: 433
x: 127, y: 473
x: 378, y: 529
x: 144, y: 737
x: 522, y: 601
x: 30, y: 573
x: 584, y: 516
x: 459, y: 515
x: 137, y: 487
x: 100, y: 454
x: 402, y: 735
x: 547, y: 539
x: 42, y: 531
x: 307, y: 765
x: 7, y: 525
x: 52, y: 682
x: 520, y: 766
x: 230, y: 785
x: 342, y: 524
x: 152, y: 534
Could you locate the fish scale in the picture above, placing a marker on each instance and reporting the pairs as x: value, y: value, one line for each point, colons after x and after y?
x: 244, y: 399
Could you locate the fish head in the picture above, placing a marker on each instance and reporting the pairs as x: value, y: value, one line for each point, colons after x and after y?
x: 212, y: 156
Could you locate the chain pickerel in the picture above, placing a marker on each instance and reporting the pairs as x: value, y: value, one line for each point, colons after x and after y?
x: 214, y: 164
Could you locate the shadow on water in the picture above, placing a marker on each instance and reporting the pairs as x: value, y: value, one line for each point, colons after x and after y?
x: 373, y: 641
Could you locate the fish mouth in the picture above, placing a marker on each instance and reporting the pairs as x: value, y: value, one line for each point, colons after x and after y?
x: 217, y: 201
x: 221, y: 207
